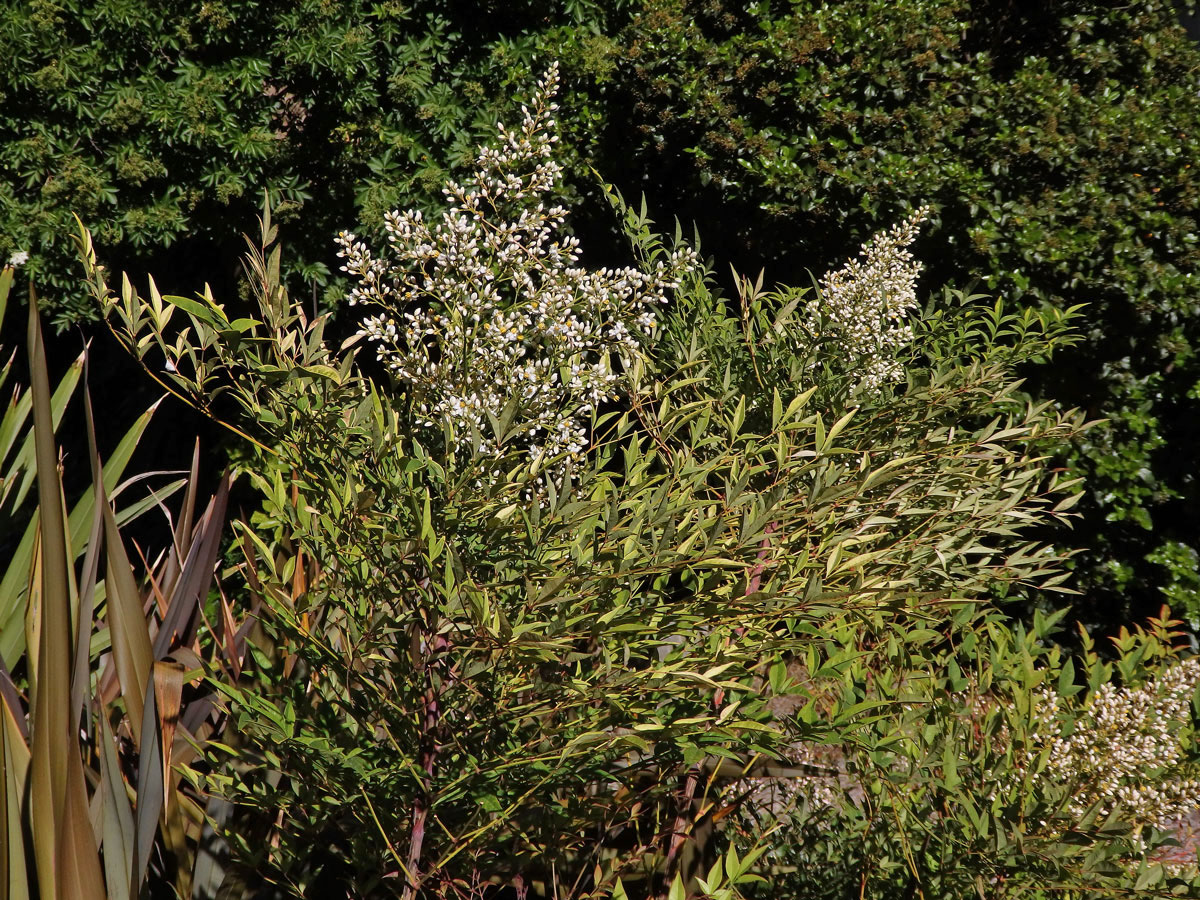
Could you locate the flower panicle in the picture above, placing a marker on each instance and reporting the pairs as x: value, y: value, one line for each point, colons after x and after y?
x: 864, y: 303
x: 1125, y: 737
x: 487, y: 303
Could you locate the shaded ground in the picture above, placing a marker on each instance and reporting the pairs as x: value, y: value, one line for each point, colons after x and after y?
x: 1187, y: 830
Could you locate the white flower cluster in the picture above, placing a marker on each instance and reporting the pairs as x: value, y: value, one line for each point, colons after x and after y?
x: 488, y: 306
x: 1119, y: 749
x: 1123, y: 748
x: 19, y: 258
x: 865, y: 301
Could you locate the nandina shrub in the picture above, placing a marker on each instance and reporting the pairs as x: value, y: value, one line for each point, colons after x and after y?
x: 1032, y: 736
x: 530, y: 638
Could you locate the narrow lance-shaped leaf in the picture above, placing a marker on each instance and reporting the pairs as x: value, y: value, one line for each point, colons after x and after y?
x: 126, y: 621
x: 113, y: 471
x: 168, y: 695
x: 20, y: 472
x: 127, y: 626
x: 118, y: 833
x: 6, y: 280
x: 182, y: 541
x: 14, y: 758
x: 80, y: 877
x: 13, y: 583
x: 64, y: 844
x: 81, y: 675
x: 53, y: 736
x: 32, y: 631
x: 150, y: 795
x: 197, y: 571
x: 174, y: 838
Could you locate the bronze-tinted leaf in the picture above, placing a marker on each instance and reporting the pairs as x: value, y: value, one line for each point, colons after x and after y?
x: 127, y: 626
x: 168, y: 692
x: 197, y: 572
x: 119, y: 836
x: 53, y: 737
x: 14, y: 795
x: 150, y: 794
x: 79, y: 872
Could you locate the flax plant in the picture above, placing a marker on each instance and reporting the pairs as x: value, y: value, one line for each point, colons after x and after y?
x: 97, y: 737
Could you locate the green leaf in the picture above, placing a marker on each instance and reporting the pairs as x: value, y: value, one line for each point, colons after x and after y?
x: 206, y: 312
x: 21, y: 470
x: 15, y: 575
x: 6, y: 280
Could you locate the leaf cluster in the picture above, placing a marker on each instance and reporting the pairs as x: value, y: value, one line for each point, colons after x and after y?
x: 1054, y: 146
x: 101, y: 717
x: 1053, y: 143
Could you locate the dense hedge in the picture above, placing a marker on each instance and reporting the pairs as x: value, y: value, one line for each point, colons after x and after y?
x: 161, y: 124
x: 1054, y: 141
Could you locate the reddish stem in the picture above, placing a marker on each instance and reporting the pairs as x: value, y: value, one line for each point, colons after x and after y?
x: 679, y: 830
x: 428, y: 757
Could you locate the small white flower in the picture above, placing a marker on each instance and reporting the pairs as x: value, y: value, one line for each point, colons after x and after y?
x: 19, y: 258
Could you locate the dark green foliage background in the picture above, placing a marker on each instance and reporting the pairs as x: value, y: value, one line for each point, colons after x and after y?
x: 1056, y: 142
x: 161, y: 124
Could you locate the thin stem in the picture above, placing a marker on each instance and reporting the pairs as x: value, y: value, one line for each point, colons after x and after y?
x: 383, y: 834
x: 428, y: 761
